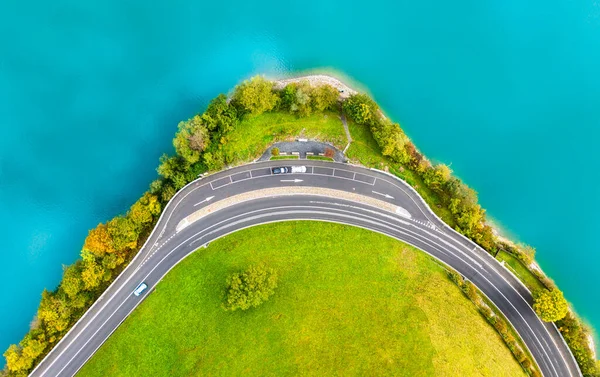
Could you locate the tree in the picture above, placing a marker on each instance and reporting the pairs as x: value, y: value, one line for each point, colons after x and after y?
x: 467, y: 197
x: 123, y: 232
x: 550, y: 305
x: 16, y: 362
x: 214, y: 161
x: 250, y: 288
x: 92, y: 275
x: 470, y: 220
x: 168, y: 191
x: 360, y: 108
x: 324, y: 97
x: 54, y: 312
x: 303, y: 99
x: 255, y: 96
x: 143, y: 211
x: 72, y: 282
x: 288, y: 97
x: 391, y: 140
x: 199, y: 140
x: 176, y: 169
x: 82, y: 300
x: 220, y: 116
x: 469, y: 216
x: 191, y: 139
x: 99, y: 241
x: 32, y: 348
x: 301, y: 102
x: 111, y: 261
x: 486, y: 238
x: 169, y: 167
x: 436, y: 177
x: 417, y: 161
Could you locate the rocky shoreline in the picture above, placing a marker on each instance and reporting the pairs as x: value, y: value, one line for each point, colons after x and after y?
x: 318, y: 80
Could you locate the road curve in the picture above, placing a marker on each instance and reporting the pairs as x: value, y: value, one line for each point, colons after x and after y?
x: 166, y: 247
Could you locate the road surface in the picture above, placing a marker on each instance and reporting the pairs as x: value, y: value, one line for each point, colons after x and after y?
x: 166, y: 247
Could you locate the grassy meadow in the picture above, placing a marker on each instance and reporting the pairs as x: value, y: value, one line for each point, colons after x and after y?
x: 349, y: 302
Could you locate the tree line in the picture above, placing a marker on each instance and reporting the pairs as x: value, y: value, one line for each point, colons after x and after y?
x: 461, y: 200
x: 105, y: 250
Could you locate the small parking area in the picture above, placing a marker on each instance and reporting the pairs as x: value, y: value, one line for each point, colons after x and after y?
x: 304, y: 149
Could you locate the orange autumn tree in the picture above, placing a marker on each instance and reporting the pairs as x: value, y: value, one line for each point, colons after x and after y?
x: 99, y: 241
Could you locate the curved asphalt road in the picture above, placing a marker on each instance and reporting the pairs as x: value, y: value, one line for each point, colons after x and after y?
x: 166, y: 247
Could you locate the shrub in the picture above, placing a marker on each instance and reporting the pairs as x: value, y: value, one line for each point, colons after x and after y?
x: 535, y: 373
x: 456, y: 278
x: 329, y: 152
x: 275, y: 151
x: 500, y: 326
x: 471, y: 292
x: 487, y: 312
x: 249, y: 288
x: 519, y: 354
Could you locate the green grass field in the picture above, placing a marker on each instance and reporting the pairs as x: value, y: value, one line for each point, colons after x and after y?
x: 284, y: 157
x: 349, y: 302
x: 252, y: 136
x: 513, y: 264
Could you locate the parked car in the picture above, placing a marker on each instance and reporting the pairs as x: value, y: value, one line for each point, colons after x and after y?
x: 281, y: 170
x: 140, y: 288
x: 288, y: 169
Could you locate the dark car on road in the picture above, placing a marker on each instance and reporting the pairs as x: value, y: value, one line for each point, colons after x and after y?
x: 281, y: 170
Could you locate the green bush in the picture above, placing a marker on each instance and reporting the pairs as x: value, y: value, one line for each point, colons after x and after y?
x: 275, y: 151
x: 471, y: 292
x: 249, y: 288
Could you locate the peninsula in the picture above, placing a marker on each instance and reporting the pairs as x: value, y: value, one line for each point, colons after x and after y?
x: 344, y: 163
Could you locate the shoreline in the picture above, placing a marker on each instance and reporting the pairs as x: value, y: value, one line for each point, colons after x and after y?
x: 315, y: 79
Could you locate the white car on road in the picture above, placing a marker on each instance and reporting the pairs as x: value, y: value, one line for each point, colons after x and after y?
x: 140, y: 288
x: 288, y: 169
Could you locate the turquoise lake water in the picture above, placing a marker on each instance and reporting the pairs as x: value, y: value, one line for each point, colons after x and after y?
x: 507, y: 92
